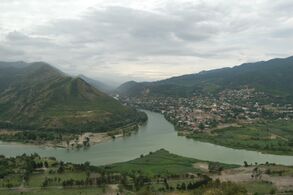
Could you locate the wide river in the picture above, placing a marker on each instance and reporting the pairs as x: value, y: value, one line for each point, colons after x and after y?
x: 155, y: 134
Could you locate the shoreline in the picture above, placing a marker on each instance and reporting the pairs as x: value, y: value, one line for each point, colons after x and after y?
x: 92, y: 138
x: 239, y: 147
x: 96, y: 139
x: 181, y: 132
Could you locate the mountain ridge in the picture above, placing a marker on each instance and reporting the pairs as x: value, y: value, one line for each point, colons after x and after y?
x: 99, y: 85
x: 275, y: 72
x: 39, y: 96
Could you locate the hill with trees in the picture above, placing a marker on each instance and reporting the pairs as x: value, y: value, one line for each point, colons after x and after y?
x: 39, y: 96
x: 273, y: 77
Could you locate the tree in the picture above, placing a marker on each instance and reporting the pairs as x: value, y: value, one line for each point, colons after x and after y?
x: 86, y: 142
x: 273, y: 191
x: 183, y: 186
x: 46, y: 164
x: 215, y: 167
x: 245, y: 164
x: 67, y: 143
x: 61, y: 167
x: 201, y: 126
x: 45, y: 182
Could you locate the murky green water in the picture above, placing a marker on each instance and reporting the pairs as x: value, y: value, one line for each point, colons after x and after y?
x: 157, y: 133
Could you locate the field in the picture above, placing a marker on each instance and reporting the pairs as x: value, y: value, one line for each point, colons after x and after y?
x: 60, y: 191
x: 274, y: 137
x: 259, y: 187
x: 158, y: 172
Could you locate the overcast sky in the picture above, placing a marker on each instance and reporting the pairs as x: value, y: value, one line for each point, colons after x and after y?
x: 119, y: 40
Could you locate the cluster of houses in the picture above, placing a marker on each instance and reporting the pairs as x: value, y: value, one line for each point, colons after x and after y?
x: 227, y: 108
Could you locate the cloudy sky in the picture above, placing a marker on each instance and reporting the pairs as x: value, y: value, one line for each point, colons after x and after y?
x: 119, y: 40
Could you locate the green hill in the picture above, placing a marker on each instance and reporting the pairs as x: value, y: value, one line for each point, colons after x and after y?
x: 38, y: 96
x: 162, y: 162
x: 273, y: 76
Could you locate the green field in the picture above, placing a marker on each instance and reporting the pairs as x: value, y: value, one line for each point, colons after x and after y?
x: 161, y: 163
x: 259, y: 187
x: 36, y: 180
x: 159, y: 172
x: 76, y: 191
x: 37, y: 175
x: 274, y: 137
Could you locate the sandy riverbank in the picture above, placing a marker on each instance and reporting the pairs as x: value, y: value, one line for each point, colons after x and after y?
x: 93, y: 138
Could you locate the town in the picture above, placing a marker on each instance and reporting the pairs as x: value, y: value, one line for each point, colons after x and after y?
x: 205, y: 113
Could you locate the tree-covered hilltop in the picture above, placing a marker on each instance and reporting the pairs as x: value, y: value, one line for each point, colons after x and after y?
x: 39, y: 96
x: 273, y: 77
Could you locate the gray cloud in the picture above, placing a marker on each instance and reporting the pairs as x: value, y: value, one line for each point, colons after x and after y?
x: 173, y: 38
x: 9, y: 53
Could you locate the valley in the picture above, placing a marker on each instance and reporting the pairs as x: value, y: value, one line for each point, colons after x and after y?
x: 156, y: 133
x: 67, y: 137
x: 239, y: 119
x: 232, y: 107
x: 157, y: 97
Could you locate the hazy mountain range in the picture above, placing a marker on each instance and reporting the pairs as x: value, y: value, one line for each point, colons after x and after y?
x: 37, y: 95
x: 99, y: 85
x: 274, y: 77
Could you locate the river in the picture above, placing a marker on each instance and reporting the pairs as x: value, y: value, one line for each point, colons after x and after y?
x: 155, y: 134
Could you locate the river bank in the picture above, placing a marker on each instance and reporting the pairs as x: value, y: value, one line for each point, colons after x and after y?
x: 71, y: 141
x: 268, y: 137
x: 274, y: 137
x: 63, y: 140
x: 155, y: 134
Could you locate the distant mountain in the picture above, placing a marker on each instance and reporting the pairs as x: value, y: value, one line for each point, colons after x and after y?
x: 97, y: 84
x: 39, y: 96
x: 273, y: 76
x: 132, y: 88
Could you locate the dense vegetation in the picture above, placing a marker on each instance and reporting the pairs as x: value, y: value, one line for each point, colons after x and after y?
x: 38, y: 96
x: 163, y: 164
x: 270, y: 137
x: 38, y: 175
x: 270, y: 76
x: 32, y: 174
x: 38, y: 136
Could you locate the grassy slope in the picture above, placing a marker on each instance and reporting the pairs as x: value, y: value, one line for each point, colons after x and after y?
x: 160, y: 162
x: 42, y: 97
x: 274, y: 137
